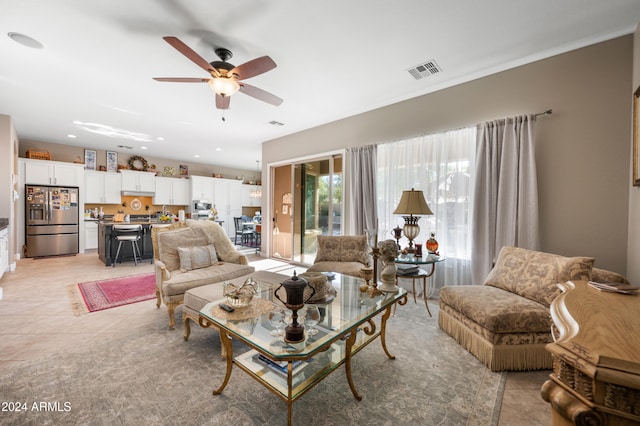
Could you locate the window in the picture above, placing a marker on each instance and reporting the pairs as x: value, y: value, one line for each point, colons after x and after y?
x: 442, y: 166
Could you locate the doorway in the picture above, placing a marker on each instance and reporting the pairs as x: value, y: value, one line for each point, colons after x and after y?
x: 307, y: 200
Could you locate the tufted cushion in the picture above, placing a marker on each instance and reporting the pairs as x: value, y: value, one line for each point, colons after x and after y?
x: 169, y: 241
x: 197, y: 257
x: 496, y: 310
x: 343, y: 249
x: 534, y: 274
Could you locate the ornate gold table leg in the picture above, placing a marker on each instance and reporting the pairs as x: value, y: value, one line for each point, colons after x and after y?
x: 383, y: 328
x: 289, y: 392
x: 347, y: 363
x: 383, y: 325
x: 228, y: 350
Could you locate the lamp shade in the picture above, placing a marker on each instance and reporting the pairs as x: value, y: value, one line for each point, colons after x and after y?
x: 224, y: 86
x: 412, y: 202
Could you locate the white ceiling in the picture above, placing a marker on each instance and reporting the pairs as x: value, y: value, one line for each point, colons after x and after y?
x: 335, y: 58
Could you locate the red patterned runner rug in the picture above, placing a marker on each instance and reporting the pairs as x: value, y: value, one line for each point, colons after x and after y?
x: 105, y: 294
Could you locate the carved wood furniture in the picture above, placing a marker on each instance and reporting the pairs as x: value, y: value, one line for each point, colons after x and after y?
x: 596, y: 357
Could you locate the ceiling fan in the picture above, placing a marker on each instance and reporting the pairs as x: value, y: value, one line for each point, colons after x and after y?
x: 226, y: 79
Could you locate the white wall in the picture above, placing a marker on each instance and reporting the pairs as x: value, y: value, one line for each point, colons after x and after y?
x: 633, y: 249
x: 8, y: 168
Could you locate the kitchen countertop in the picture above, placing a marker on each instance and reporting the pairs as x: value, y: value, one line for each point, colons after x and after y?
x: 4, y: 223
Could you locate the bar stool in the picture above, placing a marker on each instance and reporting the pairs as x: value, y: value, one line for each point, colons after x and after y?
x: 131, y: 233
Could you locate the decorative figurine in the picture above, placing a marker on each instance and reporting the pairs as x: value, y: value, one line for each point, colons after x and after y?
x: 432, y: 244
x: 388, y: 254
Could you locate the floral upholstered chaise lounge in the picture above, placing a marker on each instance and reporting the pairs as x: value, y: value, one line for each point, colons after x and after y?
x: 506, y: 323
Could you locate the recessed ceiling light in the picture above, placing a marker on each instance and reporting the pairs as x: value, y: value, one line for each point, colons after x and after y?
x: 25, y: 40
x: 143, y: 147
x: 197, y: 155
x: 218, y: 149
x: 160, y: 138
x: 72, y: 136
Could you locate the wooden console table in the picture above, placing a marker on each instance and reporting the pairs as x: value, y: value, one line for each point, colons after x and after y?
x: 596, y: 357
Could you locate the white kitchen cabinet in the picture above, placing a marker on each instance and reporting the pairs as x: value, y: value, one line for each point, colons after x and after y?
x: 43, y: 172
x: 90, y: 235
x: 228, y: 202
x: 172, y: 191
x: 247, y: 199
x: 138, y: 181
x: 102, y: 187
x: 202, y: 188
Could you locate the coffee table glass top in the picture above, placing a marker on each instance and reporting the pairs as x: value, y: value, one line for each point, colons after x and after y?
x: 348, y: 309
x: 269, y: 358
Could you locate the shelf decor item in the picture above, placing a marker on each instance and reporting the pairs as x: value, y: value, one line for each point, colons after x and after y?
x: 112, y: 161
x: 432, y: 244
x: 89, y: 159
x: 138, y: 163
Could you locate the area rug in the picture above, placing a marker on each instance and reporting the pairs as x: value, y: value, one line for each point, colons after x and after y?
x: 150, y: 375
x: 105, y: 294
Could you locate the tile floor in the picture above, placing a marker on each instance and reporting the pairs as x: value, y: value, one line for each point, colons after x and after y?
x: 36, y: 319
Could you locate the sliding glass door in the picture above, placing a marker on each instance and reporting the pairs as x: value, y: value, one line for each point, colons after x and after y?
x: 312, y: 207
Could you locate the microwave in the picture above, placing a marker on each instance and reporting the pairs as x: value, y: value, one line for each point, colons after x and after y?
x: 199, y: 205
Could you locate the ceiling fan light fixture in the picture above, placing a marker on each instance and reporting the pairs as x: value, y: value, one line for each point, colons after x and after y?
x: 224, y: 86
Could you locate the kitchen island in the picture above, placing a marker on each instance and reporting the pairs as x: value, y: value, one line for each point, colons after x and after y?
x: 107, y: 244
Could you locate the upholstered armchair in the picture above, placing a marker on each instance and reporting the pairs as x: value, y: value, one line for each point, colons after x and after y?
x: 343, y: 254
x: 193, y: 254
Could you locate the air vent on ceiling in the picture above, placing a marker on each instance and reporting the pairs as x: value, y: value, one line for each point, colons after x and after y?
x: 276, y: 123
x: 425, y: 69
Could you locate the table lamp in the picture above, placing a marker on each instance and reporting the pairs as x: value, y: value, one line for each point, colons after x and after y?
x: 412, y: 203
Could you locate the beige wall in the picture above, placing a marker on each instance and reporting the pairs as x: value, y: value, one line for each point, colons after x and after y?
x: 70, y: 153
x: 582, y: 149
x: 633, y: 254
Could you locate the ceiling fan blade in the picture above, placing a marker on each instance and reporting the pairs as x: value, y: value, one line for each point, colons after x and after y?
x: 191, y: 54
x: 182, y: 80
x: 260, y: 94
x: 222, y: 102
x: 254, y: 67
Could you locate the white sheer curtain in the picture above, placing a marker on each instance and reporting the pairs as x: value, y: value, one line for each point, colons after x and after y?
x: 506, y: 192
x: 441, y: 165
x: 360, y: 189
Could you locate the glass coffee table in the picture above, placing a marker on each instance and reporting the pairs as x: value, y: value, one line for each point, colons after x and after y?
x: 349, y: 322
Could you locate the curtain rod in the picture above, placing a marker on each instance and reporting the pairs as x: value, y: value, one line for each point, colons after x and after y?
x: 547, y: 112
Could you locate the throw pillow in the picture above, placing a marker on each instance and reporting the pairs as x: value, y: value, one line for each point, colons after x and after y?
x: 343, y: 249
x: 169, y: 241
x: 197, y: 257
x: 534, y: 274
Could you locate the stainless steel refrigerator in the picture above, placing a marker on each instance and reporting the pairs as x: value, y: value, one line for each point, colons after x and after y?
x: 52, y: 220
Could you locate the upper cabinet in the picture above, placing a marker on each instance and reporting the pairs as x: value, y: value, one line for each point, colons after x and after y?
x: 172, y: 191
x: 250, y: 197
x: 43, y: 172
x: 102, y: 187
x: 138, y: 181
x: 202, y: 188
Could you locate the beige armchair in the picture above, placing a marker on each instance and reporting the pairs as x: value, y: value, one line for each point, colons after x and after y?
x: 193, y: 254
x: 343, y: 254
